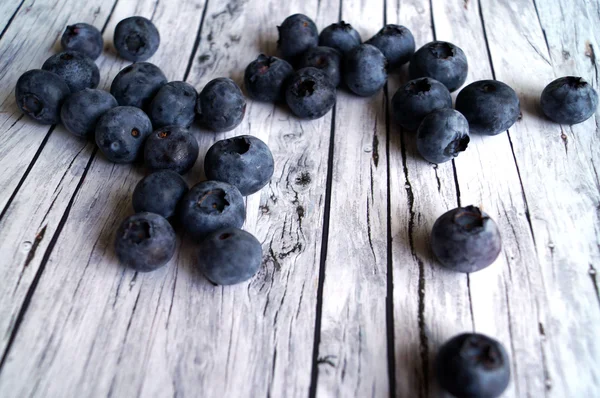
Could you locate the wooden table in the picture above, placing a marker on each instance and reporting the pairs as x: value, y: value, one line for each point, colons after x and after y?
x: 349, y: 301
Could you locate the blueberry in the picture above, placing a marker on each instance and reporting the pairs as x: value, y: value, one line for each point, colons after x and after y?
x: 84, y: 38
x: 442, y: 135
x: 364, y: 70
x: 441, y: 61
x: 229, y: 256
x: 145, y: 242
x: 310, y: 93
x: 297, y: 34
x: 40, y: 94
x: 473, y: 365
x: 569, y: 100
x: 221, y: 105
x: 137, y: 84
x: 82, y: 109
x: 418, y: 98
x: 171, y: 148
x: 211, y: 206
x: 396, y: 43
x: 341, y: 36
x: 243, y: 161
x: 121, y: 132
x: 159, y: 193
x: 326, y: 59
x: 174, y: 104
x: 136, y: 39
x: 265, y: 78
x: 490, y: 106
x: 465, y: 239
x: 77, y: 69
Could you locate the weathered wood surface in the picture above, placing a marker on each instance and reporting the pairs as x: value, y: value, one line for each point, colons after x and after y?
x: 349, y: 301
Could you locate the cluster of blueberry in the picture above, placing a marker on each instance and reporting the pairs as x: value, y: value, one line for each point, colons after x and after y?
x: 144, y: 116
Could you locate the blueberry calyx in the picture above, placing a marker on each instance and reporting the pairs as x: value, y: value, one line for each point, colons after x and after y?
x: 137, y: 232
x: 135, y: 132
x: 135, y: 43
x: 442, y: 50
x: 458, y: 145
x: 213, y: 201
x: 482, y: 352
x: 418, y: 87
x: 470, y: 218
x: 488, y: 88
x: 239, y: 145
x: 224, y: 236
x: 576, y: 82
x: 32, y: 104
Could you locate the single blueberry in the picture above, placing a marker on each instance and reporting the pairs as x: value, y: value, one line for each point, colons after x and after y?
x: 569, y: 100
x: 244, y: 161
x: 84, y: 38
x: 473, y: 365
x: 137, y: 84
x: 171, y: 148
x: 396, y: 43
x: 441, y: 61
x: 77, y: 69
x: 364, y: 70
x: 341, y: 36
x: 442, y: 135
x: 145, y: 242
x: 297, y: 34
x: 211, y: 206
x: 265, y: 78
x: 310, y: 93
x: 326, y: 59
x: 229, y: 256
x: 221, y: 105
x: 40, y: 95
x: 417, y: 99
x: 174, y: 104
x: 136, y: 39
x: 465, y: 239
x: 490, y: 106
x: 121, y: 132
x: 81, y: 110
x: 159, y: 193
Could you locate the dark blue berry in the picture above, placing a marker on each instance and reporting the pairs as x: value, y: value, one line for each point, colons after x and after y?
x: 77, y: 69
x: 417, y: 99
x: 310, y: 93
x: 136, y: 39
x: 84, y: 38
x: 229, y: 256
x: 121, y: 132
x: 442, y: 135
x: 441, y: 61
x: 297, y: 34
x: 340, y: 36
x: 473, y: 365
x: 40, y: 95
x: 211, y: 206
x: 171, y: 148
x: 569, y: 100
x: 243, y: 161
x: 221, y: 105
x: 490, y: 106
x: 145, y: 242
x: 364, y: 70
x: 396, y: 43
x: 82, y: 109
x: 326, y: 59
x: 465, y: 239
x: 137, y: 84
x: 159, y: 193
x: 265, y: 78
x: 174, y: 104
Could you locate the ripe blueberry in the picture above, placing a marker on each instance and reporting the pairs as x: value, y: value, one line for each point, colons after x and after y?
x: 121, y: 132
x: 396, y: 43
x: 171, y: 148
x: 159, y: 193
x: 265, y: 78
x: 441, y: 61
x: 310, y: 93
x: 326, y: 59
x: 418, y: 98
x: 77, y: 69
x: 40, y: 95
x: 137, y: 84
x: 82, y: 109
x: 465, y: 239
x: 244, y: 161
x: 569, y: 100
x: 84, y: 38
x: 136, y: 39
x: 442, y: 135
x: 297, y: 34
x: 340, y: 36
x: 174, y: 104
x: 221, y: 105
x: 364, y: 70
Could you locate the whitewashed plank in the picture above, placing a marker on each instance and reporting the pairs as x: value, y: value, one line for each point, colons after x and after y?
x: 52, y: 344
x: 559, y: 182
x: 352, y: 352
x: 8, y: 10
x: 430, y: 303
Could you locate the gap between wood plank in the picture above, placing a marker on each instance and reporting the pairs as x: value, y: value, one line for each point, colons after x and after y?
x: 11, y: 19
x: 196, y: 43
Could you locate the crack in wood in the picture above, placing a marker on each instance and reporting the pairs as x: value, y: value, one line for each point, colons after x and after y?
x: 510, y: 334
x: 10, y: 20
x: 592, y: 273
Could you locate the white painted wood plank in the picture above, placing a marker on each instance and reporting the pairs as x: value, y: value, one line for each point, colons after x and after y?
x: 559, y: 182
x: 8, y: 9
x: 53, y: 347
x: 353, y: 356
